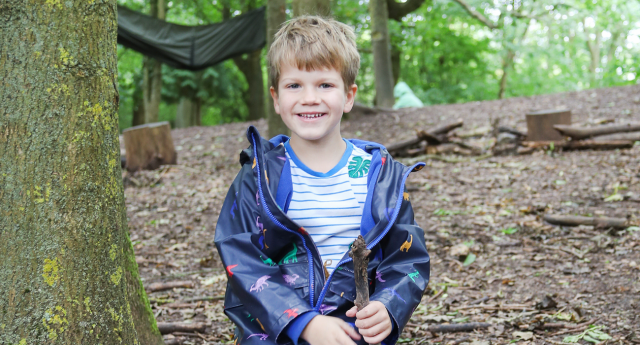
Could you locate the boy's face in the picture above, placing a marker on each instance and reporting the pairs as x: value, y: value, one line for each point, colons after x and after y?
x: 311, y: 103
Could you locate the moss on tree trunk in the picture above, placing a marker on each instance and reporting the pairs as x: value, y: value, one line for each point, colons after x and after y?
x: 67, y: 273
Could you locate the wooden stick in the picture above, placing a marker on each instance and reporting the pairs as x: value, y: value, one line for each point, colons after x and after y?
x: 169, y: 285
x: 583, y: 133
x: 463, y: 327
x: 633, y: 136
x: 579, y: 144
x: 598, y: 222
x: 360, y: 255
x: 170, y: 327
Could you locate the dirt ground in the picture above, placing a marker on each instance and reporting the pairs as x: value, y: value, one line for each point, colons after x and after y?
x: 532, y: 281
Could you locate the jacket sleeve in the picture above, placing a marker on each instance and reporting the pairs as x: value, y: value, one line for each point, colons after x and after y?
x: 403, y: 273
x: 254, y: 278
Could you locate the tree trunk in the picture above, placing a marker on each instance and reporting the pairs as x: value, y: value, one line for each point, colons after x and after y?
x: 254, y: 96
x: 506, y: 65
x: 153, y: 73
x: 311, y: 7
x: 594, y: 52
x: 276, y: 15
x: 381, y: 53
x: 396, y: 53
x: 138, y: 102
x: 186, y: 114
x: 67, y: 273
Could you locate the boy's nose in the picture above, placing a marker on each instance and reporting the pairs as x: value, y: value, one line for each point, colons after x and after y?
x: 310, y: 96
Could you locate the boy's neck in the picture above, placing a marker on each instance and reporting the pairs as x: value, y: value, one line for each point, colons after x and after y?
x: 320, y: 155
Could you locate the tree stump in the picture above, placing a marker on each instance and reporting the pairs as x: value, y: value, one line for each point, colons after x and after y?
x: 540, y: 124
x: 149, y: 146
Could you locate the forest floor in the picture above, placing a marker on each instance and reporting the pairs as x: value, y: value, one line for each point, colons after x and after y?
x: 582, y: 275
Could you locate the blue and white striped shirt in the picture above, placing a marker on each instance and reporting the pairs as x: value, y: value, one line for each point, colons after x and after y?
x: 329, y: 205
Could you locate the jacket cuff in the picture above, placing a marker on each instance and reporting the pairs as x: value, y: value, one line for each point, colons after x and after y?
x: 295, y: 328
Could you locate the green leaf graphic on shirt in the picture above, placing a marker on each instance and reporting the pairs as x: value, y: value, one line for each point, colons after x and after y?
x: 358, y: 167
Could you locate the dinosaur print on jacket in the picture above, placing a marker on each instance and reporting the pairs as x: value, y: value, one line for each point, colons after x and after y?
x: 413, y: 275
x: 257, y: 199
x: 260, y: 284
x: 254, y: 163
x: 263, y: 336
x: 326, y: 309
x: 358, y: 167
x: 291, y: 312
x: 263, y: 235
x: 229, y: 268
x: 290, y: 279
x: 406, y: 245
x: 405, y: 196
x: 379, y: 277
x: 395, y: 293
x: 267, y: 261
x: 234, y: 207
x: 290, y: 256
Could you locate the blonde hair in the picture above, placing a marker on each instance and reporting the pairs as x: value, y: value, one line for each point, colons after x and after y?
x: 312, y: 43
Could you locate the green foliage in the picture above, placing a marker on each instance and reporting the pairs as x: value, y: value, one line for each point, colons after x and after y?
x: 446, y: 55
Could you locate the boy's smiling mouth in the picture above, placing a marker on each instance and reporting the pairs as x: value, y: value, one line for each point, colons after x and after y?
x: 311, y: 115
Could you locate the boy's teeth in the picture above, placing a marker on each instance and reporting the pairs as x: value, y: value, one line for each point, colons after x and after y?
x: 309, y: 116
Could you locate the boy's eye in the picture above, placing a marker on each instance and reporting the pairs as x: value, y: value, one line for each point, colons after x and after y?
x: 293, y: 86
x: 326, y: 86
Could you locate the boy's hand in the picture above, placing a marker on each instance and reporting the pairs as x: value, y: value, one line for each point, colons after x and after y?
x: 373, y: 321
x: 328, y: 330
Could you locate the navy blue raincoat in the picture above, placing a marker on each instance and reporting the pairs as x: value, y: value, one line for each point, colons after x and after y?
x: 274, y: 269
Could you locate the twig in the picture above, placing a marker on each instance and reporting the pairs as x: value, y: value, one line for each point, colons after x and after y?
x: 171, y: 327
x: 169, y: 285
x: 495, y: 307
x: 579, y: 328
x: 463, y: 327
x: 436, y: 295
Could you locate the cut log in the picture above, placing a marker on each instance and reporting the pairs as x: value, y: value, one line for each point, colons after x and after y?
x: 578, y: 133
x: 170, y: 327
x: 462, y: 327
x: 633, y: 136
x: 169, y: 285
x: 540, y: 124
x: 149, y: 146
x: 579, y: 145
x: 598, y: 222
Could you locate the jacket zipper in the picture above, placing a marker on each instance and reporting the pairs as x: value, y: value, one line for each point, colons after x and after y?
x: 275, y: 221
x: 373, y: 243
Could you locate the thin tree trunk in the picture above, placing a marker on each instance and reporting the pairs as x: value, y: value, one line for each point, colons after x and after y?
x: 254, y: 96
x: 311, y: 7
x: 67, y: 271
x: 276, y: 15
x: 154, y: 73
x: 594, y: 52
x: 138, y: 102
x: 396, y: 62
x: 508, y: 61
x: 381, y: 53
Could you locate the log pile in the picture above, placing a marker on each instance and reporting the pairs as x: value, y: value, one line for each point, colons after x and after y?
x: 437, y: 140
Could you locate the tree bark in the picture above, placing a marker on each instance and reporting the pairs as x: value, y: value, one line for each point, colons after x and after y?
x: 311, y: 7
x: 381, y: 53
x: 153, y: 73
x: 138, y: 117
x: 276, y: 15
x: 254, y: 96
x: 397, y: 10
x: 67, y: 273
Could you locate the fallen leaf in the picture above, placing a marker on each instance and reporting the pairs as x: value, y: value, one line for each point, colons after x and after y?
x: 523, y: 335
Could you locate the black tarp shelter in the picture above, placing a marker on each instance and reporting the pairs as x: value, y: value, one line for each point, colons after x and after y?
x: 191, y: 47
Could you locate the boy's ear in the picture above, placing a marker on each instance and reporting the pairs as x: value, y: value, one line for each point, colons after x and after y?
x: 274, y: 95
x: 351, y: 97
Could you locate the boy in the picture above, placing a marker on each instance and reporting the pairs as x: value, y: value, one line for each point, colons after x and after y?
x: 298, y: 203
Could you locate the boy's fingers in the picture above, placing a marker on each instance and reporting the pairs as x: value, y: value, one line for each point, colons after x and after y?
x: 352, y: 312
x: 350, y: 330
x: 370, y: 321
x: 378, y: 338
x: 374, y: 329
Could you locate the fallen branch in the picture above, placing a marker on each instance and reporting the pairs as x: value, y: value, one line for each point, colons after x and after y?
x: 433, y: 136
x: 578, y: 328
x: 633, y: 136
x: 505, y: 129
x: 169, y: 285
x: 598, y: 222
x: 463, y: 327
x: 170, y: 327
x: 360, y: 255
x: 579, y: 145
x: 497, y: 307
x: 577, y: 133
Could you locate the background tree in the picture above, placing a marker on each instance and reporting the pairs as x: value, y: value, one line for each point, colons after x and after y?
x: 67, y: 274
x: 152, y: 68
x: 276, y: 15
x: 311, y: 7
x: 381, y: 47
